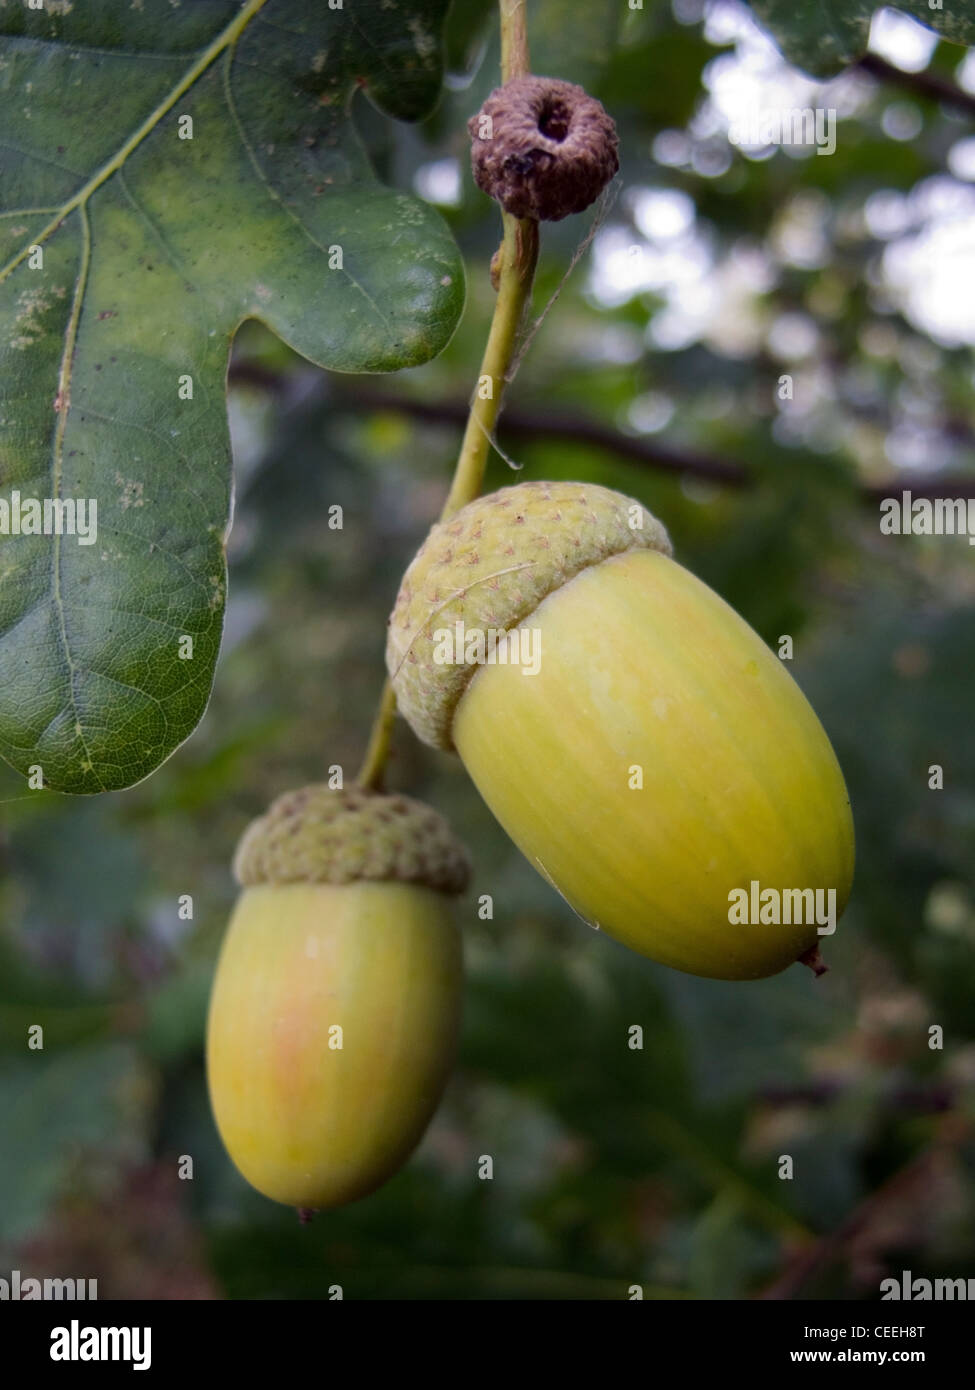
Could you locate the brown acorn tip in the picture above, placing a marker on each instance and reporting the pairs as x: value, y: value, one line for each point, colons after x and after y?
x: 305, y: 1214
x: 543, y: 148
x: 317, y: 835
x: 814, y: 960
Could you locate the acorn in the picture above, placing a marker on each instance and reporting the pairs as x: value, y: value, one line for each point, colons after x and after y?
x: 637, y: 740
x: 336, y: 1003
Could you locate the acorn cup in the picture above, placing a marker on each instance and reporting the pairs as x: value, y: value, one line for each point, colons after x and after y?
x: 336, y: 1002
x: 633, y: 735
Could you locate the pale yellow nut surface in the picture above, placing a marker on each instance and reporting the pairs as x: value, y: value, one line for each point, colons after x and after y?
x: 308, y: 1123
x: 642, y: 665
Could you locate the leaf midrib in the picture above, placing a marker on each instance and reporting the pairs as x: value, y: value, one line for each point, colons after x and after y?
x: 224, y: 40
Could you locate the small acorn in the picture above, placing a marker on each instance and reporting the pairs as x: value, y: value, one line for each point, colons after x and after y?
x: 633, y: 735
x: 336, y: 1002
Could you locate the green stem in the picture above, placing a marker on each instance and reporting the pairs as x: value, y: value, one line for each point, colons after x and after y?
x: 514, y: 40
x: 514, y: 266
x: 373, y: 768
x: 515, y: 263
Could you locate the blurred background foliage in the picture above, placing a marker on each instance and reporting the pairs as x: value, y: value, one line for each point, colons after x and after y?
x: 715, y: 271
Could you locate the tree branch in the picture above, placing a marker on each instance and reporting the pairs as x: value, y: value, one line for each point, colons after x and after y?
x: 655, y: 454
x: 648, y: 453
x: 927, y: 85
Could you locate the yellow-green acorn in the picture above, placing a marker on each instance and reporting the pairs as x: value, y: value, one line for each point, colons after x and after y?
x: 634, y: 736
x: 336, y: 1003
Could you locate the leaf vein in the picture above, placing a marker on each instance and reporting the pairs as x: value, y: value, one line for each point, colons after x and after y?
x: 40, y: 159
x: 276, y: 196
x: 57, y: 470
